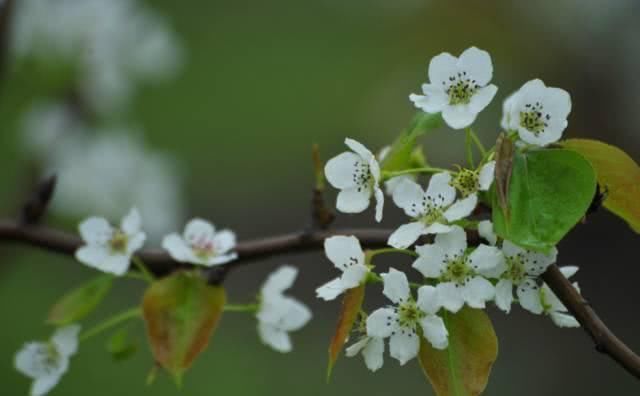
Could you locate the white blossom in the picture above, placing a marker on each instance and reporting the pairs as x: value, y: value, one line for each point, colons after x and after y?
x: 432, y: 211
x: 400, y: 322
x: 357, y: 175
x: 461, y: 274
x: 346, y: 254
x: 471, y: 181
x: 46, y: 362
x: 459, y: 87
x: 279, y: 314
x: 538, y: 113
x: 372, y: 350
x: 521, y: 269
x: 107, y: 248
x: 552, y: 306
x: 201, y: 244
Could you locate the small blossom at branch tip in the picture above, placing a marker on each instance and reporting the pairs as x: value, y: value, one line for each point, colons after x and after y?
x: 471, y: 181
x: 537, y: 112
x: 462, y: 274
x: 372, y: 350
x: 347, y: 255
x: 279, y: 314
x: 553, y: 307
x: 107, y: 248
x: 458, y: 87
x: 46, y: 362
x: 399, y: 322
x: 201, y: 244
x: 432, y: 211
x: 356, y: 174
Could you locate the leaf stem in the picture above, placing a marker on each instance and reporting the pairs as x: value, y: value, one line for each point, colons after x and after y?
x: 478, y: 143
x: 469, y: 148
x: 373, y: 253
x: 241, y: 308
x: 427, y: 169
x: 111, y: 322
x: 144, y: 271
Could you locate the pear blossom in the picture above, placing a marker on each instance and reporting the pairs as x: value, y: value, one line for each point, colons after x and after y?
x: 521, y: 269
x: 107, y: 248
x: 553, y: 307
x: 461, y: 274
x: 372, y: 350
x: 459, y: 87
x: 346, y: 254
x: 201, y: 244
x: 46, y: 362
x: 471, y: 181
x: 357, y: 175
x: 538, y: 113
x: 400, y: 322
x: 279, y: 314
x: 485, y: 230
x: 432, y: 211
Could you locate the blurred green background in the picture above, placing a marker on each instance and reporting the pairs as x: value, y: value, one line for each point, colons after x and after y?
x: 261, y: 82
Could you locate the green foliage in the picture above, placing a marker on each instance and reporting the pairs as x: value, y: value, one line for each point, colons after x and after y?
x: 617, y: 173
x: 120, y: 345
x: 404, y: 153
x: 463, y: 368
x: 181, y: 312
x: 351, y: 305
x: 80, y: 302
x: 550, y: 190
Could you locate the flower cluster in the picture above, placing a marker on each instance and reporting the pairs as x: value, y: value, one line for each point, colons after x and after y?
x: 456, y: 270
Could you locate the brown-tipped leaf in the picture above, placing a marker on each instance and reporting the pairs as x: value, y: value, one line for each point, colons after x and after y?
x: 463, y: 368
x: 181, y: 312
x: 351, y: 305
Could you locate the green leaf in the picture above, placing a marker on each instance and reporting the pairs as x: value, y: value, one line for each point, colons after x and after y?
x: 80, y: 302
x: 351, y: 304
x: 549, y: 192
x: 181, y: 312
x: 120, y: 345
x: 618, y: 173
x: 402, y: 153
x: 463, y: 368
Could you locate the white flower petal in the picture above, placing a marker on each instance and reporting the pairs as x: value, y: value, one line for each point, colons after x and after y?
x: 135, y: 242
x: 66, y: 339
x: 430, y: 261
x: 373, y: 353
x: 504, y: 295
x: 379, y: 195
x: 279, y: 281
x: 435, y: 331
x: 392, y: 184
x: 437, y: 228
x: 440, y: 190
x: 404, y: 346
x: 453, y: 242
x: 477, y: 292
x: 353, y: 200
x: 224, y: 241
x: 564, y: 320
x: 529, y: 297
x: 551, y: 302
x: 340, y: 169
x: 462, y: 208
x: 428, y: 299
x: 354, y: 275
x: 450, y: 296
x: 486, y: 175
x: 396, y: 286
x: 42, y: 385
x: 406, y: 235
x: 433, y: 101
x: 477, y: 63
x: 568, y: 270
x: 219, y: 260
x: 330, y: 290
x: 274, y: 337
x: 95, y: 231
x: 177, y: 248
x: 381, y: 323
x: 441, y: 67
x: 537, y: 263
x: 485, y: 230
x: 485, y: 258
x: 343, y: 251
x: 459, y: 116
x: 198, y: 231
x: 408, y: 195
x: 355, y: 348
x: 296, y: 314
x: 507, y: 112
x: 482, y: 97
x: 558, y: 102
x: 359, y: 149
x: 26, y: 360
x: 132, y: 222
x: 101, y: 259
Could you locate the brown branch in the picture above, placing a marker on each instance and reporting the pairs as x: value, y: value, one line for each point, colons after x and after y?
x: 160, y: 263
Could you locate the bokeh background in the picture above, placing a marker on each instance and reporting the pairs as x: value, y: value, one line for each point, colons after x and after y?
x: 214, y: 115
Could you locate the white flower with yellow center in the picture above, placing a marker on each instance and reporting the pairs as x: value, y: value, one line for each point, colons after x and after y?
x: 46, y: 362
x: 552, y: 306
x: 471, y: 181
x: 279, y: 314
x: 461, y: 274
x: 537, y: 112
x: 432, y: 210
x: 357, y: 175
x: 346, y: 254
x: 109, y: 249
x: 400, y: 322
x: 459, y: 87
x: 201, y: 244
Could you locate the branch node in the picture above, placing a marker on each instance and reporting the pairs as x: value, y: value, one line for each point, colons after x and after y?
x: 36, y: 205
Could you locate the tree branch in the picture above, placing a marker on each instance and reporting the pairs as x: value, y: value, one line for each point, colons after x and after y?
x: 160, y: 263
